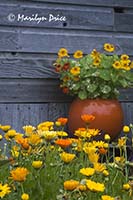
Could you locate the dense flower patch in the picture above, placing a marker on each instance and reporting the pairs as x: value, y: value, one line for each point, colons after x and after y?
x: 44, y: 163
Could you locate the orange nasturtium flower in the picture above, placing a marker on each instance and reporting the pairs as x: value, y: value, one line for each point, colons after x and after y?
x: 62, y: 121
x: 19, y: 174
x: 87, y: 118
x: 71, y: 185
x: 63, y: 142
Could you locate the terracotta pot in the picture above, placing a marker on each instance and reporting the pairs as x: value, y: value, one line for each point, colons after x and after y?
x: 109, y: 115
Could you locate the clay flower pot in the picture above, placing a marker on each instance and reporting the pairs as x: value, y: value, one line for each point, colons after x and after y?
x: 108, y: 114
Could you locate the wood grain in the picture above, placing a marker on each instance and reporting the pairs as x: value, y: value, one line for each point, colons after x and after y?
x: 71, y: 17
x: 39, y: 91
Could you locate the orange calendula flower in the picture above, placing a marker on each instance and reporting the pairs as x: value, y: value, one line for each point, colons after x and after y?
x: 23, y: 142
x: 87, y: 118
x: 63, y: 142
x: 102, y: 150
x: 67, y: 157
x: 109, y: 47
x: 62, y: 121
x: 71, y: 185
x: 62, y: 53
x: 19, y: 174
x: 78, y: 54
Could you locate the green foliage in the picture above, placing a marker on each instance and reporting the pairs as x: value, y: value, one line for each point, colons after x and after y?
x: 96, y: 75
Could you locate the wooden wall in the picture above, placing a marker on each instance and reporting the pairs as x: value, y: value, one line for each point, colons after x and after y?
x: 29, y: 91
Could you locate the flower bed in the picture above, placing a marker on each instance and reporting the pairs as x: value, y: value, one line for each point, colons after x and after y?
x: 44, y: 163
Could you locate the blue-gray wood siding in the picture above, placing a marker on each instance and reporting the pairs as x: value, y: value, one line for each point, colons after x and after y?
x: 29, y: 87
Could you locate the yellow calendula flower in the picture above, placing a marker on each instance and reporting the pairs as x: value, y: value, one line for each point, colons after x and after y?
x: 95, y: 186
x: 121, y: 142
x: 4, y: 190
x: 62, y: 133
x: 10, y: 134
x: 105, y: 172
x: 45, y: 126
x: 29, y: 129
x: 19, y: 174
x: 58, y: 123
x: 75, y: 71
x: 119, y: 160
x: 5, y: 128
x: 34, y: 139
x: 117, y: 65
x: 62, y: 53
x: 49, y: 135
x: 107, y: 197
x: 93, y: 157
x: 126, y: 186
x: 15, y: 151
x: 107, y: 137
x: 87, y: 171
x: 37, y: 164
x: 71, y: 185
x: 126, y: 129
x: 25, y: 196
x: 67, y: 157
x: 82, y: 187
x: 109, y: 47
x: 99, y: 167
x: 78, y: 54
x: 1, y: 137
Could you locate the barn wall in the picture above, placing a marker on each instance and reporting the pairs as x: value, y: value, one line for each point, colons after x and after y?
x: 29, y: 91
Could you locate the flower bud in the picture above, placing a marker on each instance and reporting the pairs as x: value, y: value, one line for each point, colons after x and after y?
x: 126, y: 129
